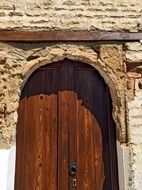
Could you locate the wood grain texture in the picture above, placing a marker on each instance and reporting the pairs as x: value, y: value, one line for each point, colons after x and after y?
x: 91, y: 167
x: 63, y: 120
x: 43, y: 36
x: 65, y: 116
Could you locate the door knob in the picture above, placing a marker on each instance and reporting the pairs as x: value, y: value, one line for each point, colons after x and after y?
x: 72, y: 169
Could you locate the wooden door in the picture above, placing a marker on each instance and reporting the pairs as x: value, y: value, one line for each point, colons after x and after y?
x: 66, y: 134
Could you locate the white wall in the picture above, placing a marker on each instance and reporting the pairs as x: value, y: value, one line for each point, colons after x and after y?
x: 7, y: 168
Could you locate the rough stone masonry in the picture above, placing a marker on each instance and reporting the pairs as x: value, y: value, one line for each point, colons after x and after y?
x: 104, y: 15
x: 119, y: 63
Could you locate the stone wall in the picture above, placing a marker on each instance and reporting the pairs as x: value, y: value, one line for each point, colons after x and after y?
x: 18, y: 61
x: 133, y: 61
x: 119, y: 63
x: 104, y: 15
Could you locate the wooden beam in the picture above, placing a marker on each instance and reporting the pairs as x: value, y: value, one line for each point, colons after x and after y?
x: 43, y: 36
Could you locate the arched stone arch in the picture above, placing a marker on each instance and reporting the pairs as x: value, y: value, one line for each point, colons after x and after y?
x: 21, y: 63
x: 87, y: 55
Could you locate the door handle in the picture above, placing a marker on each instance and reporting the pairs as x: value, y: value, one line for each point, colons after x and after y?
x: 72, y: 169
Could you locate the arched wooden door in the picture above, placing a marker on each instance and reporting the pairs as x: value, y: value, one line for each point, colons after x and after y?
x: 66, y: 134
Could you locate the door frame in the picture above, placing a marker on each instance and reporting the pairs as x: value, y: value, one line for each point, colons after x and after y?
x: 29, y: 70
x: 63, y: 35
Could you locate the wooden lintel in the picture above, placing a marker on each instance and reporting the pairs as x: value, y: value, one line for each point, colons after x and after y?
x: 43, y: 36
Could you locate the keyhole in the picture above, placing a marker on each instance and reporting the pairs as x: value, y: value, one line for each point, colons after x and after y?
x: 74, y: 182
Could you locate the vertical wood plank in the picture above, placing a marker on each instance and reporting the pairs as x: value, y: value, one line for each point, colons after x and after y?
x: 81, y: 134
x: 50, y: 133
x: 63, y: 121
x: 34, y: 149
x: 89, y: 135
x: 73, y: 122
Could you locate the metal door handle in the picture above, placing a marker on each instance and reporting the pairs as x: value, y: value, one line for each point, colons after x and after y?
x: 72, y: 169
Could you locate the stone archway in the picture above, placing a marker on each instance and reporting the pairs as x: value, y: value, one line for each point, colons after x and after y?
x: 108, y: 62
x: 107, y: 67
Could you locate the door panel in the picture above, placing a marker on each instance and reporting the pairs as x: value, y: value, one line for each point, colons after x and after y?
x: 73, y: 120
x: 65, y: 118
x: 90, y: 160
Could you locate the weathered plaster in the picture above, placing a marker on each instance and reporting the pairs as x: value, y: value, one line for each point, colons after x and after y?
x: 17, y: 70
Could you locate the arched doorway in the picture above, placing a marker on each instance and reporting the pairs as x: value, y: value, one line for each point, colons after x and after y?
x: 66, y: 134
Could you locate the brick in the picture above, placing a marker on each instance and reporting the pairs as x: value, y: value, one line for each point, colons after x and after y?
x: 134, y: 75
